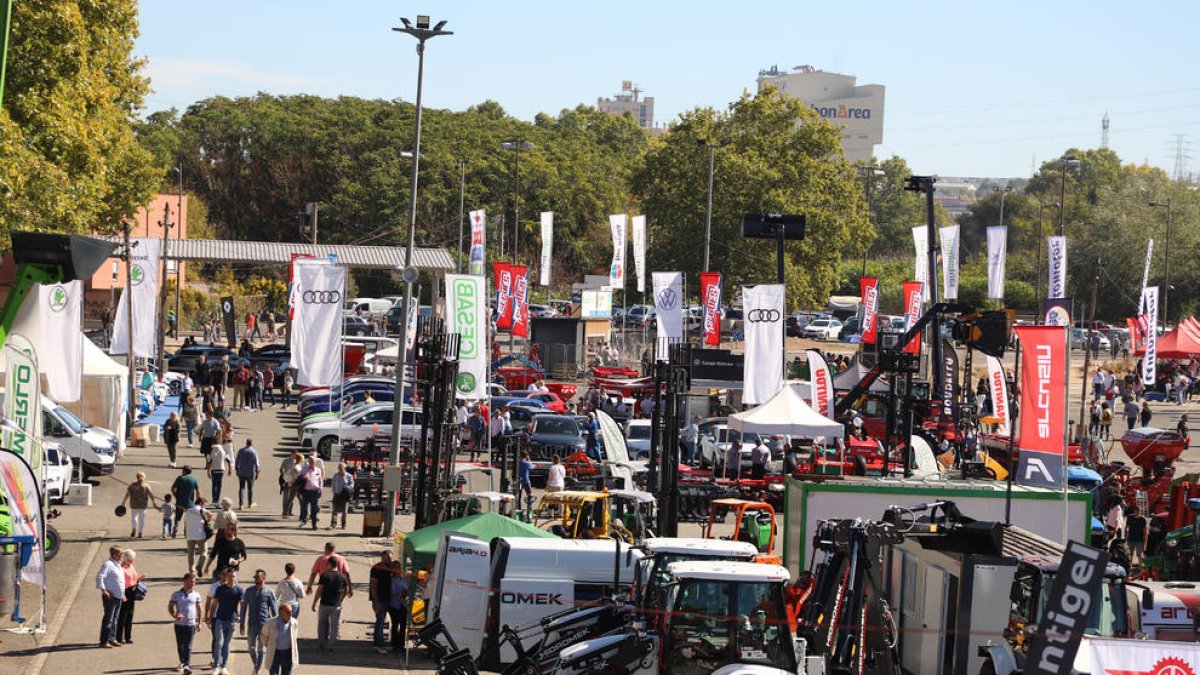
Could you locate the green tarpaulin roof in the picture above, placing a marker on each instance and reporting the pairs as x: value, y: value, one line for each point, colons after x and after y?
x: 420, y: 546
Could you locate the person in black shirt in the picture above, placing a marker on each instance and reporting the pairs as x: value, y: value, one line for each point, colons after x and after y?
x: 382, y: 575
x: 227, y: 551
x: 332, y: 588
x: 1135, y: 529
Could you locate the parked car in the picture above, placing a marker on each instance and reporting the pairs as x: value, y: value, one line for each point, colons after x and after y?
x: 59, y: 470
x: 851, y: 327
x: 552, y: 401
x: 717, y: 440
x: 360, y: 425
x: 185, y: 360
x: 822, y: 329
x: 637, y: 438
x: 367, y: 306
x: 640, y: 316
x: 355, y: 325
x: 542, y: 311
x: 1079, y: 338
x: 521, y: 415
x: 94, y: 450
x: 550, y: 434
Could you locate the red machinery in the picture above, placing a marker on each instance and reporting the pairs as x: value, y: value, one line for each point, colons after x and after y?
x: 1149, y: 447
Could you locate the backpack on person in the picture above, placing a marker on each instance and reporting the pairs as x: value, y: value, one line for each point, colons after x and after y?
x: 399, y: 592
x: 1106, y: 417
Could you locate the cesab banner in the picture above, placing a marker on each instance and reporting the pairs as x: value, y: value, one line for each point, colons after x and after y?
x: 1057, y: 287
x: 949, y: 236
x: 1150, y: 335
x: 998, y: 389
x: 547, y: 246
x: 911, y: 292
x: 639, y: 251
x: 520, y: 300
x: 19, y: 485
x: 60, y: 307
x: 616, y: 271
x: 1122, y: 656
x: 1043, y: 426
x: 22, y: 405
x: 997, y: 240
x: 822, y: 383
x: 142, y: 301
x: 503, y: 282
x: 317, y: 330
x: 869, y: 290
x: 668, y: 308
x: 478, y: 243
x: 921, y: 271
x: 763, y: 371
x: 710, y: 294
x: 467, y: 316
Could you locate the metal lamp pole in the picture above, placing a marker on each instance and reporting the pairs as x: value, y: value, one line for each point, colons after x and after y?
x: 422, y: 32
x: 179, y: 263
x: 1166, y: 259
x: 1063, y: 163
x: 869, y: 174
x: 712, y: 155
x: 462, y: 201
x: 516, y: 145
x: 1038, y: 276
x: 1003, y: 194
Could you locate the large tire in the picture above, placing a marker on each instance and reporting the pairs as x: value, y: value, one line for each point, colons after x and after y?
x: 860, y: 466
x: 52, y: 542
x: 325, y: 447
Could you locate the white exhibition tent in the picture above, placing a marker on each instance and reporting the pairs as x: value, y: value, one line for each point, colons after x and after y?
x: 788, y: 414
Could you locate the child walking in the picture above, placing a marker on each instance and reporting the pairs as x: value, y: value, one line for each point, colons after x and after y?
x: 168, y: 515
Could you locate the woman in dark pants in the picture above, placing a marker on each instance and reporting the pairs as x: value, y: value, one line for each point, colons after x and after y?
x: 170, y: 430
x: 125, y: 618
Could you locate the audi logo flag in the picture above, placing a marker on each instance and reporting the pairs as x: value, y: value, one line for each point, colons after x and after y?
x: 520, y: 300
x: 639, y: 250
x: 949, y: 236
x: 998, y: 390
x: 822, y: 383
x: 503, y: 280
x: 911, y: 291
x: 1057, y: 251
x: 475, y: 260
x: 547, y: 247
x: 1042, y: 424
x: 616, y: 271
x: 668, y: 308
x: 466, y: 315
x: 763, y: 372
x: 1150, y: 333
x: 142, y: 297
x: 869, y: 289
x: 317, y: 328
x: 710, y: 295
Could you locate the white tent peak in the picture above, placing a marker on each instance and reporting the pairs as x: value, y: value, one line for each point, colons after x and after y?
x: 787, y: 413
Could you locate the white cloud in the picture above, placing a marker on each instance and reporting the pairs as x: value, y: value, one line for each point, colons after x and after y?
x: 181, y: 81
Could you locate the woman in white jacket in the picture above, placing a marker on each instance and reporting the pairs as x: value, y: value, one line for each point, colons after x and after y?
x: 280, y: 638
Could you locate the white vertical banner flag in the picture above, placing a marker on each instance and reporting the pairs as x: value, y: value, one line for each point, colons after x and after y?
x: 466, y: 314
x: 1057, y: 288
x: 143, y: 276
x: 60, y: 307
x: 547, y: 247
x: 822, y: 383
x: 763, y: 316
x: 998, y: 389
x: 22, y: 402
x: 997, y: 252
x: 949, y: 237
x: 668, y: 307
x: 1150, y: 359
x: 639, y: 251
x: 476, y: 263
x: 1146, y: 273
x: 317, y: 328
x: 616, y: 272
x: 921, y: 273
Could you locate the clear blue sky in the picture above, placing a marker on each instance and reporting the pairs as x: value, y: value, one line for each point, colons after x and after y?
x: 972, y: 90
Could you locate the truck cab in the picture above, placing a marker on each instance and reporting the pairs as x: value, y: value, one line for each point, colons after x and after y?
x: 650, y: 576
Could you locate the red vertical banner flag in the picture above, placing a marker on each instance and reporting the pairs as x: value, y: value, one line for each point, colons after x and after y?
x: 869, y: 288
x: 911, y: 290
x: 503, y: 282
x: 520, y: 300
x: 710, y: 293
x: 1135, y: 334
x: 1042, y: 435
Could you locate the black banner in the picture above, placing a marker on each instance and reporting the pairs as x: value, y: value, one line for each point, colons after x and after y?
x: 949, y: 381
x: 230, y: 321
x: 1057, y: 311
x: 1076, y: 588
x: 717, y: 364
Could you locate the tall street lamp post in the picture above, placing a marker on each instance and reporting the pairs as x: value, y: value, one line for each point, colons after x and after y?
x: 179, y: 263
x: 462, y: 201
x: 712, y: 155
x: 1063, y: 163
x: 1166, y: 258
x: 517, y: 145
x: 422, y: 32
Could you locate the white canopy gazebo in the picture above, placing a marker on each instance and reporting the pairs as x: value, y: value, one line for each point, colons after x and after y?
x: 786, y: 414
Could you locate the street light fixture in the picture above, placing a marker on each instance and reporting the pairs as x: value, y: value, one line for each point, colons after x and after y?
x: 422, y: 32
x: 1166, y: 257
x: 517, y: 145
x: 712, y: 155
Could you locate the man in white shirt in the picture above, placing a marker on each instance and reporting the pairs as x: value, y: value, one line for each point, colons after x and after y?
x: 110, y: 581
x: 185, y: 609
x: 556, y: 480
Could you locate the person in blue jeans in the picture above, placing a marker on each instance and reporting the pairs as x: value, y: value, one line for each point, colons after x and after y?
x: 221, y: 614
x: 184, y: 608
x: 110, y: 581
x: 525, y: 483
x: 259, y: 606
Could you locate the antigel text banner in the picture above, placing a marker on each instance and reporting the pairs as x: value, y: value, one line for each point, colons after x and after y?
x: 476, y: 263
x: 639, y: 250
x: 60, y: 306
x: 763, y: 314
x: 822, y: 383
x: 466, y: 314
x: 869, y: 289
x: 520, y: 300
x: 911, y: 292
x: 503, y: 282
x: 668, y: 308
x: 998, y: 390
x: 317, y: 330
x: 949, y: 237
x: 616, y: 271
x: 997, y: 242
x: 143, y: 278
x: 1053, y: 647
x: 1057, y: 270
x: 1042, y: 427
x: 1150, y: 335
x: 547, y: 247
x: 710, y: 294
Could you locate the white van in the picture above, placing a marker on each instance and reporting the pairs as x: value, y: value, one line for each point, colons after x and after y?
x: 478, y: 588
x: 94, y: 450
x: 369, y: 306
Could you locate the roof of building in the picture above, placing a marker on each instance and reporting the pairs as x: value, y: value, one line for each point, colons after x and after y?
x: 377, y: 257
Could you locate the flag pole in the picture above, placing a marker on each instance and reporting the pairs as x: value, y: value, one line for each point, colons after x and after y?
x: 1013, y: 413
x: 1066, y: 446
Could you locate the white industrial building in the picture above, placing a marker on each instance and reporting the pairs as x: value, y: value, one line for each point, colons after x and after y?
x: 858, y: 109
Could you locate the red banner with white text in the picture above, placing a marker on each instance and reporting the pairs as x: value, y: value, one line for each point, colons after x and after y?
x: 710, y: 294
x: 502, y: 272
x: 1042, y: 422
x: 911, y: 292
x: 520, y: 300
x: 869, y: 287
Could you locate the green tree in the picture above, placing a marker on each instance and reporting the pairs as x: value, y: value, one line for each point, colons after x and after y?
x: 778, y: 157
x: 69, y: 160
x: 896, y: 211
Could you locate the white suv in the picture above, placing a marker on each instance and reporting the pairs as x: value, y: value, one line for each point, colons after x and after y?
x: 369, y: 421
x: 822, y: 329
